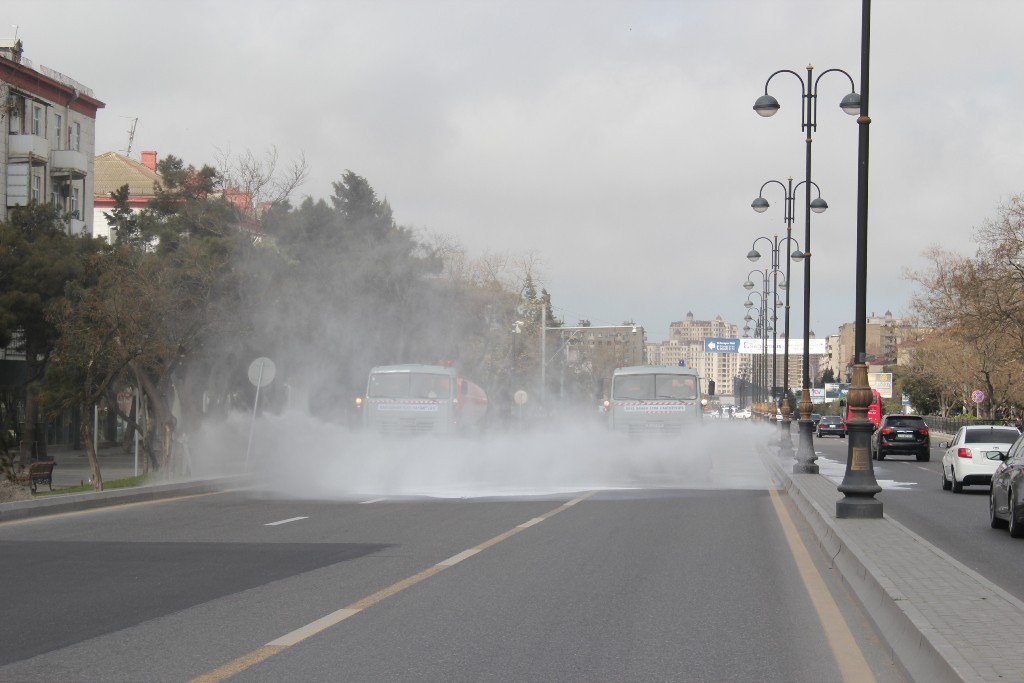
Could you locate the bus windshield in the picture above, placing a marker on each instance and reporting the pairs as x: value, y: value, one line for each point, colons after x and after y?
x: 655, y: 387
x: 409, y: 385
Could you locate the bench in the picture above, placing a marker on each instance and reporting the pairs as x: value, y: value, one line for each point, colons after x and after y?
x: 39, y: 472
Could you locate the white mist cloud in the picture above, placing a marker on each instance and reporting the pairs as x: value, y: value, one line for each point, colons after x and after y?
x: 296, y: 455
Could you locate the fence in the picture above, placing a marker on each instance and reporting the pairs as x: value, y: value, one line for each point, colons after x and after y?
x: 950, y: 425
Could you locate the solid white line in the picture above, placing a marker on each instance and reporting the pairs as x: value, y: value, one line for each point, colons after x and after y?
x: 274, y: 647
x: 314, y: 627
x: 375, y: 500
x: 455, y: 559
x: 285, y: 521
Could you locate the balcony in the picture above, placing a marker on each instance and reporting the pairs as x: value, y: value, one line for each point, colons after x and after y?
x: 77, y: 226
x: 28, y: 148
x: 68, y: 163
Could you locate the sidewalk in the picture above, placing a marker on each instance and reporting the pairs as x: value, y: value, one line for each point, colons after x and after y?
x: 944, y: 621
x: 72, y: 468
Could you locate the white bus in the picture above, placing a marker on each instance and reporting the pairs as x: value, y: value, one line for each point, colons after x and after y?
x: 421, y: 399
x: 655, y: 399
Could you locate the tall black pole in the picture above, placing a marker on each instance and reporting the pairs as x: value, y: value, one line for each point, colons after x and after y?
x: 786, y: 444
x: 805, y: 451
x: 859, y: 485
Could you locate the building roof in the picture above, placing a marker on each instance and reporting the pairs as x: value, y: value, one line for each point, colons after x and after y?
x: 114, y: 170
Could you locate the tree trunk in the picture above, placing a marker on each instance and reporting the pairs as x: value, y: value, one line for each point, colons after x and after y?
x: 129, y: 431
x: 158, y: 414
x: 26, y: 449
x: 90, y: 452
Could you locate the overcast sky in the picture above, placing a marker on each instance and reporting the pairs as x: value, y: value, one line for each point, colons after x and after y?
x: 615, y: 139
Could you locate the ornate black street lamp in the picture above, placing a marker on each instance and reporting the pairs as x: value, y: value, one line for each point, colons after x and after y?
x: 859, y: 485
x: 757, y: 369
x: 785, y: 439
x: 768, y: 275
x: 766, y: 105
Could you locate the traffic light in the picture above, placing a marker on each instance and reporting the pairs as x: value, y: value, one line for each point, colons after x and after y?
x: 711, y: 387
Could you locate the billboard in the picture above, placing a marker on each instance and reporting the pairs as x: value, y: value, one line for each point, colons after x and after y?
x: 881, y: 382
x: 796, y: 346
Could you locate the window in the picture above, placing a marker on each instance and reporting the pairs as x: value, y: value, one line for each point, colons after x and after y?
x: 37, y: 119
x: 59, y: 120
x: 74, y: 202
x: 17, y: 115
x: 37, y: 189
x: 74, y: 135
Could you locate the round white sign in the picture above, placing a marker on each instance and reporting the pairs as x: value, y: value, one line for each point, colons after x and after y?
x: 261, y: 372
x: 519, y: 397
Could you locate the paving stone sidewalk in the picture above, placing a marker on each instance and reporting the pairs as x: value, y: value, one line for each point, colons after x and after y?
x: 943, y: 620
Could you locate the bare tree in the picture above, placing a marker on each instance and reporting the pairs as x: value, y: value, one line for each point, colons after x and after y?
x: 258, y: 181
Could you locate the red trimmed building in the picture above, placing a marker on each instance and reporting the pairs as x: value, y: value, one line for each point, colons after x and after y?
x: 113, y: 171
x: 48, y: 140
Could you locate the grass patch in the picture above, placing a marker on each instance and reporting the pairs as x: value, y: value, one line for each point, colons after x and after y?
x: 125, y: 483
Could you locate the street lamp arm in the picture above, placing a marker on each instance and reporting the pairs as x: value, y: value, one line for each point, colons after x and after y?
x: 804, y: 182
x: 853, y: 87
x: 769, y: 182
x: 755, y: 255
x: 800, y: 78
x: 849, y: 104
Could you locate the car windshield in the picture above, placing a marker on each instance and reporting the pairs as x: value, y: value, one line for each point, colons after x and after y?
x: 910, y: 422
x: 994, y: 435
x: 830, y: 420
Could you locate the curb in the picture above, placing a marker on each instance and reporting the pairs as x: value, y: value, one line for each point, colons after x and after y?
x: 925, y: 649
x: 74, y: 502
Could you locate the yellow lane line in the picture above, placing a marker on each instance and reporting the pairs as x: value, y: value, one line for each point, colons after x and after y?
x: 239, y: 665
x: 849, y: 658
x: 298, y: 635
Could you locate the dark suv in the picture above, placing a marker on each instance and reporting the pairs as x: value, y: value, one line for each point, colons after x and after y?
x: 831, y: 424
x: 901, y: 434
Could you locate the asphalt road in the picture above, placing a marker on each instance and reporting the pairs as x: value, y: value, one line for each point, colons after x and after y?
x: 955, y: 522
x: 695, y: 582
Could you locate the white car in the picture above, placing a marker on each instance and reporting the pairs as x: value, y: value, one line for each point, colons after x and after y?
x: 973, y: 455
x: 743, y: 414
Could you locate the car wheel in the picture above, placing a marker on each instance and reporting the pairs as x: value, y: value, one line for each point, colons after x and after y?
x: 924, y: 457
x: 881, y: 454
x: 994, y: 522
x: 946, y: 484
x: 958, y: 486
x: 1014, y: 525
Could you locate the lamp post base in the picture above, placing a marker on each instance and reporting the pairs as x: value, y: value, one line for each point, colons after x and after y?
x: 858, y: 508
x: 786, y: 439
x: 805, y: 452
x: 859, y: 485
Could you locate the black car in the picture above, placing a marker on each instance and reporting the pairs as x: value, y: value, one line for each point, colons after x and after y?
x: 901, y: 434
x: 815, y: 418
x: 831, y: 425
x: 1006, y: 495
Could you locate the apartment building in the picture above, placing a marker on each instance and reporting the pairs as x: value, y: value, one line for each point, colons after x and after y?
x: 883, y: 337
x: 686, y: 343
x: 46, y: 153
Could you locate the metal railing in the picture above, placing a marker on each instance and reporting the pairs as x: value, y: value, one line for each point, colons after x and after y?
x: 950, y: 425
